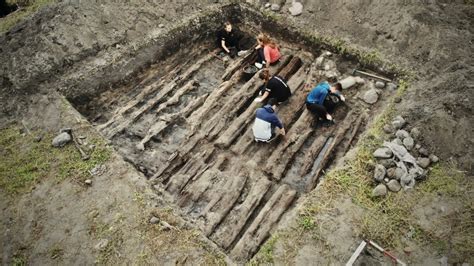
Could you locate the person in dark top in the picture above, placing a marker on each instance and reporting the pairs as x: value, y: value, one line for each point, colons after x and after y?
x: 228, y: 39
x: 323, y: 99
x: 274, y: 87
x: 266, y: 121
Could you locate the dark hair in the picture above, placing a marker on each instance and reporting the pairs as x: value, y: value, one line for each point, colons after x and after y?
x: 338, y: 86
x: 272, y: 101
x: 227, y: 23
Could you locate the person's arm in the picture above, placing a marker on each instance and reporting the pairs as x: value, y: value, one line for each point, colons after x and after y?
x: 263, y: 97
x: 337, y: 93
x: 266, y: 53
x: 224, y: 46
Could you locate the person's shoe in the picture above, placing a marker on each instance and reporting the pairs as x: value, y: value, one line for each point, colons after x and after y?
x: 258, y: 65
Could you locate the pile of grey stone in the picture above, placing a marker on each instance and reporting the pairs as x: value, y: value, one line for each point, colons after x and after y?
x: 400, y: 162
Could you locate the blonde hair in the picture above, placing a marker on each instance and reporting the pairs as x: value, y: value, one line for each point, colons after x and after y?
x: 262, y: 37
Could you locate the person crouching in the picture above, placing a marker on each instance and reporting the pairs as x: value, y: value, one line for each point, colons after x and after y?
x: 266, y: 121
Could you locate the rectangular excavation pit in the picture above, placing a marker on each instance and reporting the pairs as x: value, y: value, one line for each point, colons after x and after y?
x: 185, y: 119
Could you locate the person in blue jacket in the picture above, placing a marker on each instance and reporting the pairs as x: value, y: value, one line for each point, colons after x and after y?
x: 323, y: 98
x: 266, y: 121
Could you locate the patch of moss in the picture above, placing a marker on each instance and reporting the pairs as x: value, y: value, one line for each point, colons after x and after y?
x: 25, y: 9
x: 24, y: 161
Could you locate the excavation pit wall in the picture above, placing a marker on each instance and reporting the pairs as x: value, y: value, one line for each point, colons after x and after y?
x: 183, y: 118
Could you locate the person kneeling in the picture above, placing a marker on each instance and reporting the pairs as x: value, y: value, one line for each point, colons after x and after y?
x: 323, y: 99
x: 266, y: 121
x: 273, y: 87
x: 228, y: 40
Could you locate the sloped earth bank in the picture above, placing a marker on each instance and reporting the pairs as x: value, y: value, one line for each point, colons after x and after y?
x: 119, y: 66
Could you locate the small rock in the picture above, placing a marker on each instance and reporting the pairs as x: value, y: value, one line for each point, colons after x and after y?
x: 319, y: 62
x: 387, y: 163
x: 408, y: 250
x: 433, y: 158
x: 388, y: 129
x: 61, y: 139
x: 268, y: 5
x: 417, y: 146
x: 391, y: 172
x: 296, y: 9
x: 38, y: 138
x: 370, y: 96
x: 398, y: 122
x: 402, y: 134
x: 423, y: 162
x: 88, y: 182
x: 397, y: 141
x: 380, y: 190
x: 386, y: 180
x: 399, y: 173
x: 275, y: 7
x: 407, y: 181
x: 327, y: 54
x: 161, y: 25
x: 102, y: 244
x: 415, y: 132
x: 424, y: 151
x: 397, y: 99
x: 154, y: 220
x: 394, y: 185
x: 379, y: 172
x: 383, y: 153
x: 379, y: 84
x: 391, y: 86
x: 408, y: 143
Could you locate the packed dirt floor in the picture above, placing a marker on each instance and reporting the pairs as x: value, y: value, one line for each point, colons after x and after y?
x: 175, y: 176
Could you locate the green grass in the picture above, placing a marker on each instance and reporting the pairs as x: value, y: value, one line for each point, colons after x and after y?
x: 25, y: 162
x: 265, y: 254
x: 26, y: 8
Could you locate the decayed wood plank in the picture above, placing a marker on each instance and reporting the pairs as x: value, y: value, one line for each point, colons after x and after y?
x: 341, y: 131
x: 196, y: 117
x: 259, y: 230
x: 169, y: 119
x: 313, y: 151
x: 285, y: 153
x: 122, y: 122
x: 230, y: 228
x: 195, y: 190
x: 221, y: 204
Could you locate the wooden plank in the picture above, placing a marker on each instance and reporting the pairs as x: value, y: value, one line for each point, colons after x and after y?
x: 278, y: 162
x: 239, y: 65
x: 260, y: 228
x: 165, y: 120
x: 222, y: 203
x: 312, y: 153
x: 348, y: 121
x: 121, y: 123
x: 235, y: 221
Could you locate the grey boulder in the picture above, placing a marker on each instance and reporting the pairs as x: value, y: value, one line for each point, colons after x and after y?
x: 296, y: 9
x: 379, y: 172
x: 408, y: 143
x: 423, y: 162
x: 383, y: 153
x: 402, y: 134
x: 61, y: 139
x: 398, y: 122
x: 394, y: 185
x: 370, y: 96
x: 379, y: 191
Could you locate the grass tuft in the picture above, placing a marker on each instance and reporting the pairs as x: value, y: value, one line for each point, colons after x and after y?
x: 24, y: 162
